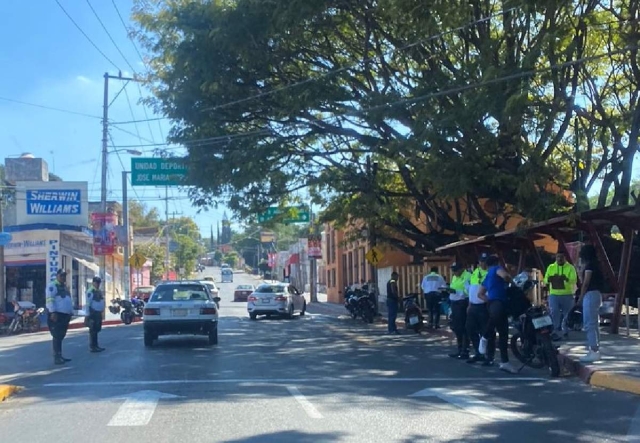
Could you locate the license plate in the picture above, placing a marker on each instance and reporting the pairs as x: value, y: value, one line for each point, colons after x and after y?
x: 413, y: 320
x: 179, y: 312
x: 266, y: 300
x: 541, y: 322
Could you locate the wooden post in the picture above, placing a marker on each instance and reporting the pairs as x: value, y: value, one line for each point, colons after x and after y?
x: 603, y: 257
x: 623, y: 274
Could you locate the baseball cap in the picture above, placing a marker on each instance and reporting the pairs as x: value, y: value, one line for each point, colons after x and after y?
x: 484, y: 256
x: 456, y: 267
x: 61, y: 272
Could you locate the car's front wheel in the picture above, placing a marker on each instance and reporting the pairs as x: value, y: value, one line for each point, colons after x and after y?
x: 253, y: 316
x: 213, y: 336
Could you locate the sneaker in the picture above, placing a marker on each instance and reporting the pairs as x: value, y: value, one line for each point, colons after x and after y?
x: 555, y: 337
x: 508, y: 367
x: 455, y: 355
x: 591, y: 357
x: 475, y: 359
x: 464, y: 356
x: 487, y: 362
x: 482, y: 348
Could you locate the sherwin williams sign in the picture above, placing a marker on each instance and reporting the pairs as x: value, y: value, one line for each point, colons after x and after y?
x: 59, y: 203
x: 54, y: 202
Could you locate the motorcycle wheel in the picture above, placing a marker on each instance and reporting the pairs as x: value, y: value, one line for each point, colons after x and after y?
x: 516, y: 349
x: 125, y: 317
x: 35, y: 325
x: 368, y: 316
x: 551, y: 356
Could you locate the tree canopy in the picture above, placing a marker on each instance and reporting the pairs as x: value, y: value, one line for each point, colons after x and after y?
x: 425, y: 121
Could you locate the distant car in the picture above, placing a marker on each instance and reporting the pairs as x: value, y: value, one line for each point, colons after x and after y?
x: 209, y: 278
x: 212, y: 287
x: 276, y: 299
x: 181, y: 307
x: 226, y: 275
x: 143, y: 292
x: 242, y: 292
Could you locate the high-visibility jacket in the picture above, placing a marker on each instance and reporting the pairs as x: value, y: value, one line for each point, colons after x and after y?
x: 477, y: 277
x: 460, y: 284
x: 59, y: 298
x: 568, y: 286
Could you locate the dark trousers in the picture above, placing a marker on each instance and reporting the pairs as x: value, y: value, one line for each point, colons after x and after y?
x: 58, y: 330
x: 498, y: 321
x: 392, y: 308
x: 459, y: 323
x: 433, y: 305
x: 95, y: 326
x: 477, y: 318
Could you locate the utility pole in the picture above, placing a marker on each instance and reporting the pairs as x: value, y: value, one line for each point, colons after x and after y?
x: 166, y: 229
x: 125, y: 221
x: 105, y: 153
x: 313, y: 271
x: 3, y: 286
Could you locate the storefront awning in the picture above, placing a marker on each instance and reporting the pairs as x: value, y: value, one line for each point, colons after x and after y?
x: 95, y: 268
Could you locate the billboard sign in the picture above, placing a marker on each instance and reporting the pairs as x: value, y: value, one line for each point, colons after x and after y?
x: 62, y: 203
x: 158, y: 171
x: 105, y: 237
x: 315, y: 246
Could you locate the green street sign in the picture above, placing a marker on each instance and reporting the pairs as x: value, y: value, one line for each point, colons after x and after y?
x: 301, y: 216
x: 158, y: 171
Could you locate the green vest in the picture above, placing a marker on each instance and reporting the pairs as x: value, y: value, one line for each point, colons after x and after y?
x: 459, y: 283
x: 478, y: 275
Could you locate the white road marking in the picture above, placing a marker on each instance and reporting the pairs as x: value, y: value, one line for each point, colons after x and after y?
x: 138, y: 408
x: 290, y: 380
x: 633, y: 435
x: 467, y: 400
x: 306, y: 404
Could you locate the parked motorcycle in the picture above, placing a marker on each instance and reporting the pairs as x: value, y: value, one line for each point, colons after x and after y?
x: 126, y: 309
x: 351, y: 302
x: 138, y: 306
x: 413, y: 318
x: 531, y: 344
x: 26, y: 318
x: 366, y: 306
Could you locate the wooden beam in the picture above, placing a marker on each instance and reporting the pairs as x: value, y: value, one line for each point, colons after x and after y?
x: 623, y: 277
x: 521, y: 260
x: 603, y: 257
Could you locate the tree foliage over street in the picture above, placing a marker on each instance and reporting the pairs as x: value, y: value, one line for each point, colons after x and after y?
x: 438, y: 118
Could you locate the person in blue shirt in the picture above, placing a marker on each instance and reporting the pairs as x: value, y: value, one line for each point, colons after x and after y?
x: 494, y: 292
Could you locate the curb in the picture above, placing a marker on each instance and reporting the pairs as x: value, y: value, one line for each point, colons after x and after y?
x: 80, y: 325
x: 7, y: 391
x: 599, y: 378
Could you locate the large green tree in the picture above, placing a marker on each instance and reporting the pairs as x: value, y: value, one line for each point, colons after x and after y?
x: 441, y: 118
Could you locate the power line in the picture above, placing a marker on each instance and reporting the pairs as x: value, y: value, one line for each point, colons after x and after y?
x: 130, y: 133
x: 86, y: 36
x: 50, y: 108
x: 209, y: 140
x: 127, y: 31
x: 363, y: 61
x: 152, y: 119
x: 95, y: 13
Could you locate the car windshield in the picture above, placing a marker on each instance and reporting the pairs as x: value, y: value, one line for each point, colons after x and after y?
x: 271, y: 289
x: 180, y: 293
x: 245, y: 287
x: 226, y: 271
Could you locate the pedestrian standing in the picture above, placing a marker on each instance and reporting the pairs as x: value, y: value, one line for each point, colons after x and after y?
x: 59, y: 312
x: 477, y: 314
x: 94, y: 311
x: 591, y: 299
x: 494, y: 292
x: 459, y: 303
x: 431, y: 286
x: 393, y: 297
x: 561, y: 277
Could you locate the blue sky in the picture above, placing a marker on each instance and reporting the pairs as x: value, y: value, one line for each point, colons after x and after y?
x: 47, y: 61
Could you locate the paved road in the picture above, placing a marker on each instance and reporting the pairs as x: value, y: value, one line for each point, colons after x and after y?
x: 315, y: 378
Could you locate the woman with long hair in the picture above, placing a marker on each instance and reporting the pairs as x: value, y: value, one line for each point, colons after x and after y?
x: 591, y: 300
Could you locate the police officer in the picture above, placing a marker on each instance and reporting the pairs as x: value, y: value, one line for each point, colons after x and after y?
x: 459, y: 303
x: 431, y: 286
x: 95, y: 308
x: 477, y: 314
x: 393, y: 297
x: 60, y: 310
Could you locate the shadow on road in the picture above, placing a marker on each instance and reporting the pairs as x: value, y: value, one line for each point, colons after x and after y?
x: 291, y: 436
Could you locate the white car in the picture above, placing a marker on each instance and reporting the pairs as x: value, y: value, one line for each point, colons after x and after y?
x: 276, y: 299
x: 212, y: 287
x: 181, y: 307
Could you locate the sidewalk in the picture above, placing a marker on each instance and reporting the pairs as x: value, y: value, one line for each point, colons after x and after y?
x: 619, y: 368
x: 109, y: 320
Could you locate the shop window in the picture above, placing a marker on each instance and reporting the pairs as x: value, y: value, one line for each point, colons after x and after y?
x: 27, y: 283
